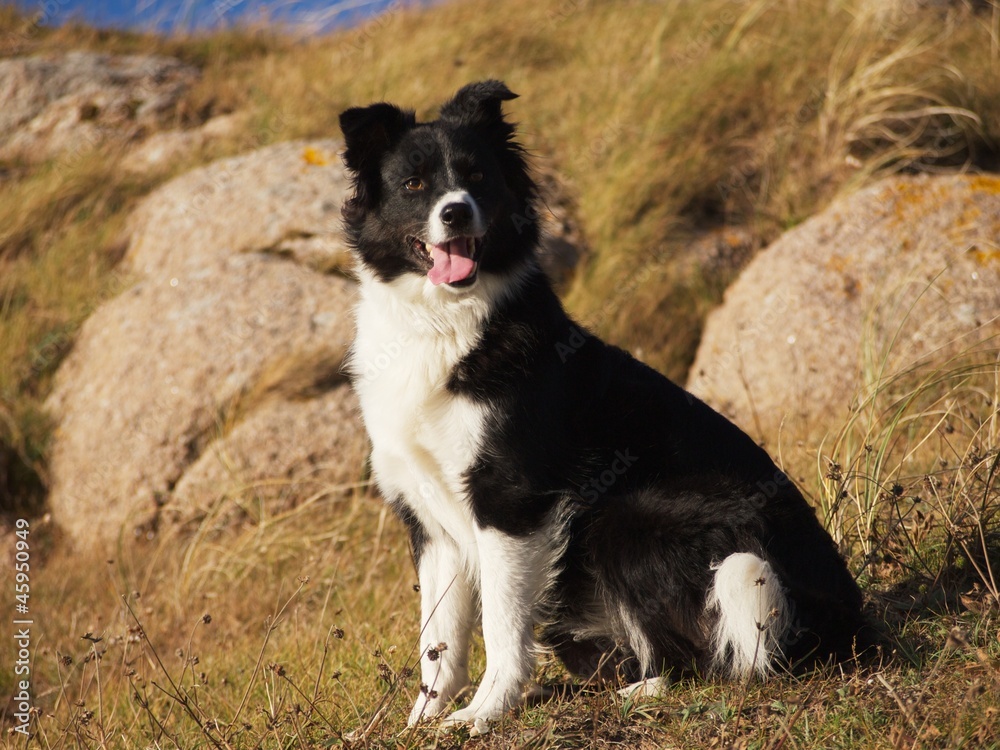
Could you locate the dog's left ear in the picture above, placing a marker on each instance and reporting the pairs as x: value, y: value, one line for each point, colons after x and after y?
x: 478, y: 104
x: 371, y: 131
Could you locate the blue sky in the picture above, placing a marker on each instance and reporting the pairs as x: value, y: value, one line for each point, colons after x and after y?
x: 164, y: 15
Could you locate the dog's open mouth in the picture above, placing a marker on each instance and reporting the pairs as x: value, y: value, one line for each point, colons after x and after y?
x: 454, y: 262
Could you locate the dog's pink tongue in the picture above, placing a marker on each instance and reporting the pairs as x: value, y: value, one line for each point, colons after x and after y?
x: 451, y: 262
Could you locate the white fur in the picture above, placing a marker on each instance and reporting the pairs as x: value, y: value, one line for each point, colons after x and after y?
x: 753, y: 616
x: 634, y: 636
x: 514, y: 574
x: 410, y: 335
x: 424, y: 438
x: 438, y: 231
x: 447, y: 601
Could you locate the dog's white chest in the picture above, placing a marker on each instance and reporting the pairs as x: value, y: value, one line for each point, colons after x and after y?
x: 413, y: 418
x: 424, y: 438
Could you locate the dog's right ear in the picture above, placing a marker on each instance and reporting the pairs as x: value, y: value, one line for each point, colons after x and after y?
x: 370, y: 131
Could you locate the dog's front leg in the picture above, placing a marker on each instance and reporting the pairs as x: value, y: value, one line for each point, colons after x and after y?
x: 513, y: 572
x: 447, y: 605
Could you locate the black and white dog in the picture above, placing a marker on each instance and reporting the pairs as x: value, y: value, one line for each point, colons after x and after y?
x: 548, y: 479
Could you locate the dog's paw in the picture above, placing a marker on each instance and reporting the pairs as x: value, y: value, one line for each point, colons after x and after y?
x: 432, y: 703
x: 426, y: 708
x: 653, y: 687
x: 478, y: 725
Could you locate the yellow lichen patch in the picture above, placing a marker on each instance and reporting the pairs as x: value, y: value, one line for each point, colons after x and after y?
x: 986, y: 184
x: 984, y: 255
x: 907, y: 197
x: 734, y: 240
x: 969, y: 218
x: 314, y: 157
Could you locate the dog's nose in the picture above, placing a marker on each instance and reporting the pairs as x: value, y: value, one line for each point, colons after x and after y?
x: 456, y: 214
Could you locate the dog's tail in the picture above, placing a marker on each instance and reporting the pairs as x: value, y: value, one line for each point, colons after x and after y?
x: 751, y: 615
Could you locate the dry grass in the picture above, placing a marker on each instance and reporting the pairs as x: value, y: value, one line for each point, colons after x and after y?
x: 60, y: 240
x: 310, y: 637
x: 665, y: 121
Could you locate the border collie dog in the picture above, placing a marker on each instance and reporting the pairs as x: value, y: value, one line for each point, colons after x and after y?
x: 553, y: 486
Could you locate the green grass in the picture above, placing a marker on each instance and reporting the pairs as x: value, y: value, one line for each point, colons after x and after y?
x: 662, y: 121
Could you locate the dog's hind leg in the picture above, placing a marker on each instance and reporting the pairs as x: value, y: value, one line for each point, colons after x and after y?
x: 752, y: 615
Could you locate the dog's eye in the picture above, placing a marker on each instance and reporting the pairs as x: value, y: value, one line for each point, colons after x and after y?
x: 476, y: 177
x: 414, y: 183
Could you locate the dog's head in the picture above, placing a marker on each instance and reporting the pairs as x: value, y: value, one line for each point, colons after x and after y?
x: 448, y: 200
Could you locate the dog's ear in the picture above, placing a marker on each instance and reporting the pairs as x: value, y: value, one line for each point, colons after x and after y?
x: 370, y: 131
x: 478, y: 104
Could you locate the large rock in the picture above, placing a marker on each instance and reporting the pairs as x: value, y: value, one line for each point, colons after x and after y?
x: 885, y: 278
x: 198, y: 371
x: 284, y: 199
x: 58, y: 104
x: 164, y: 147
x: 158, y: 375
x: 286, y: 452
